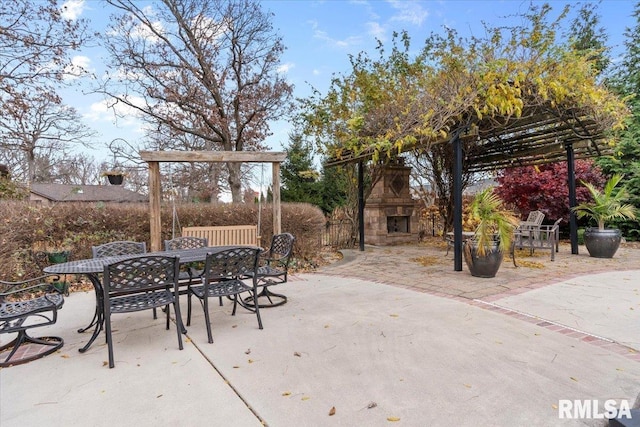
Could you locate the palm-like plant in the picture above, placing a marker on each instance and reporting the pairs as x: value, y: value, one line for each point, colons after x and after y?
x: 495, y: 222
x: 607, y: 204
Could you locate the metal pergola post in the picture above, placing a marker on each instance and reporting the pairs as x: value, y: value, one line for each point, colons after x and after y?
x: 457, y: 202
x: 571, y: 181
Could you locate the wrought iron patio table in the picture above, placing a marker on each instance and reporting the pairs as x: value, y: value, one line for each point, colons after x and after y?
x: 94, y: 267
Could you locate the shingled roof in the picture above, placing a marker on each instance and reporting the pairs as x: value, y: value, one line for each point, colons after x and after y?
x: 87, y: 193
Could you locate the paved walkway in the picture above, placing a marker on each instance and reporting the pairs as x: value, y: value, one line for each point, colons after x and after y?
x: 421, y: 345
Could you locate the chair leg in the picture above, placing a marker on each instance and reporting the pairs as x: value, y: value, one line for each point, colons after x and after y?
x: 155, y: 313
x: 207, y: 320
x: 258, y: 311
x: 179, y: 325
x: 167, y: 310
x: 189, y: 309
x: 107, y: 331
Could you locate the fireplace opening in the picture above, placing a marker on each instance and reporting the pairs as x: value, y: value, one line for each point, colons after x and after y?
x: 397, y: 224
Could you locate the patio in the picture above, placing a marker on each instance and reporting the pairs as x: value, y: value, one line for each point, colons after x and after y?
x: 428, y: 347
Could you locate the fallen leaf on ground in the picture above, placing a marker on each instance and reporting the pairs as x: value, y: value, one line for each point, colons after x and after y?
x: 295, y: 353
x: 372, y: 405
x: 248, y: 351
x: 393, y: 419
x: 332, y: 411
x: 286, y: 393
x: 305, y: 398
x: 574, y: 379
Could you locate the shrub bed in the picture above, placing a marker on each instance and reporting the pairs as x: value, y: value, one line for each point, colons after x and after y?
x: 27, y: 228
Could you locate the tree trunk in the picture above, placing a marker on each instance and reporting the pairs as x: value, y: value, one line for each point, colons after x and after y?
x: 235, y: 183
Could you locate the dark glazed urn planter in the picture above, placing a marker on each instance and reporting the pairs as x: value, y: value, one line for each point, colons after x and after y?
x: 115, y: 179
x: 602, y: 243
x: 486, y: 266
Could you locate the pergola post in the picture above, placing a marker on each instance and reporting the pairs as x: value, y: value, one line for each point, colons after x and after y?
x: 361, y: 204
x: 275, y: 179
x: 457, y: 202
x: 571, y: 181
x: 154, y: 205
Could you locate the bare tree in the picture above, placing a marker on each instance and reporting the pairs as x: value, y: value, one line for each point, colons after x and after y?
x: 35, y: 43
x: 38, y: 126
x: 207, y: 68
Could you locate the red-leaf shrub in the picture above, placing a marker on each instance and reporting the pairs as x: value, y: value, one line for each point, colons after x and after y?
x: 545, y: 187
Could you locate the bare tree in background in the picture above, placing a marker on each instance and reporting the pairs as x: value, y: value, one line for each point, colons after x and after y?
x: 36, y: 42
x: 38, y: 126
x: 206, y: 68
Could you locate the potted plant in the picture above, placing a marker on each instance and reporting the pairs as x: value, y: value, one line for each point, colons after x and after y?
x: 483, y: 253
x: 115, y: 177
x: 607, y: 205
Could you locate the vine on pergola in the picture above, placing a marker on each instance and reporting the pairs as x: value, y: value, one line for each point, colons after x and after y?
x: 401, y: 101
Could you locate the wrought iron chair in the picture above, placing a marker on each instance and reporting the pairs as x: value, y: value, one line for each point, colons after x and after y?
x: 24, y: 305
x: 273, y: 270
x: 122, y: 247
x: 141, y: 283
x: 192, y: 274
x: 223, y: 277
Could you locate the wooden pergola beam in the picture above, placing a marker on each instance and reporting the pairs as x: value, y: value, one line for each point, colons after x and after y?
x: 154, y: 158
x: 214, y: 156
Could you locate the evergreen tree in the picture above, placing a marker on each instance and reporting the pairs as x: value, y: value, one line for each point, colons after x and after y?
x: 626, y: 158
x: 300, y: 180
x: 335, y: 188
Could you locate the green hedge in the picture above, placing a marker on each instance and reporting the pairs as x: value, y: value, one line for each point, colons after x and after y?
x: 27, y: 228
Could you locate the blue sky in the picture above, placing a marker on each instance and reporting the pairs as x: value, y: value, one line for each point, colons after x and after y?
x: 320, y: 36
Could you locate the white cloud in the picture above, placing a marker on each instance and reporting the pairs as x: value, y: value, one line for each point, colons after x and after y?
x: 72, y: 9
x: 316, y: 72
x: 116, y: 113
x: 80, y: 65
x: 409, y: 11
x: 284, y: 68
x: 377, y: 31
x: 342, y: 44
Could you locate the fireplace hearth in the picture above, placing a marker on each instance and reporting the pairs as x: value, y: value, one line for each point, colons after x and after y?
x: 389, y: 215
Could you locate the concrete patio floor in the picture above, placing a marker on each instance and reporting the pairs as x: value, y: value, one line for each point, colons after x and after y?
x: 389, y: 349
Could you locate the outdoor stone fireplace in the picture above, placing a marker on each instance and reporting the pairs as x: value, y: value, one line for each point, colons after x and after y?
x: 389, y: 215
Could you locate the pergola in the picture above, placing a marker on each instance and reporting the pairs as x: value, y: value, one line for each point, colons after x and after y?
x: 154, y: 158
x: 537, y: 136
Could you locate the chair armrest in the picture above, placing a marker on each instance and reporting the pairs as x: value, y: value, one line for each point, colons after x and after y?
x: 27, y: 286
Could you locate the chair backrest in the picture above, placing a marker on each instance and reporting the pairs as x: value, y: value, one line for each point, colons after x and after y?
x: 140, y: 274
x: 535, y: 217
x: 231, y: 263
x: 282, y: 248
x: 185, y: 242
x: 123, y: 247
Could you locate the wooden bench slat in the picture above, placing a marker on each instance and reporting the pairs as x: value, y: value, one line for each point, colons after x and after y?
x: 225, y: 235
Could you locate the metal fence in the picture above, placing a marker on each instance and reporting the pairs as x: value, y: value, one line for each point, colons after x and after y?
x: 339, y: 233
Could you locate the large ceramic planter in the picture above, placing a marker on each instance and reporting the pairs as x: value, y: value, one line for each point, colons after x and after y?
x: 115, y: 179
x: 602, y: 243
x: 482, y: 266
